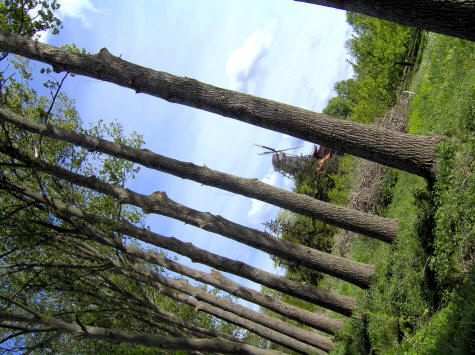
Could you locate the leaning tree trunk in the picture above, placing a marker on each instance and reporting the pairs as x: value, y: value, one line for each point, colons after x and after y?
x: 324, y: 298
x: 449, y: 17
x: 305, y: 336
x: 158, y: 202
x: 272, y: 328
x: 384, y: 229
x: 217, y: 280
x: 117, y: 335
x: 222, y: 283
x: 263, y: 331
x: 415, y: 154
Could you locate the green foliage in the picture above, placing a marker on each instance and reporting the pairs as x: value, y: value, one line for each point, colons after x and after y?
x: 338, y: 107
x: 302, y: 229
x: 422, y: 299
x: 445, y: 104
x: 444, y: 99
x: 353, y: 338
x: 343, y: 180
x: 379, y: 52
x: 449, y: 331
x: 315, y: 183
x: 28, y: 17
x: 387, y: 188
x: 454, y: 243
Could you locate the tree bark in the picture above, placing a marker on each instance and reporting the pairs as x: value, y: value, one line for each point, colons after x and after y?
x: 219, y: 281
x: 310, y: 338
x: 384, y: 229
x: 159, y: 203
x: 415, y: 154
x: 449, y: 17
x: 169, y: 318
x: 147, y: 339
x: 262, y: 331
x: 326, y: 299
x: 156, y: 313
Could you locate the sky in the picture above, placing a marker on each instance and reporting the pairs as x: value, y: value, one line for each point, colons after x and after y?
x: 278, y: 49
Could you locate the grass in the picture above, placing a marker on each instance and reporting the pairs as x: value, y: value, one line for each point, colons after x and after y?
x: 422, y: 299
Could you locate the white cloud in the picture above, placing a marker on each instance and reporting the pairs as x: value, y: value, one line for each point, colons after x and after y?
x: 288, y: 183
x: 43, y: 36
x: 245, y: 62
x: 77, y: 8
x: 271, y: 178
x: 325, y: 96
x: 261, y: 211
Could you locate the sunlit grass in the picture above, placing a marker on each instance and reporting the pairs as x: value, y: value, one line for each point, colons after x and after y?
x: 422, y: 299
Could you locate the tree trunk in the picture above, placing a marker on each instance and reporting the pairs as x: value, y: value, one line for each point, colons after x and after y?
x: 159, y: 203
x: 147, y: 339
x: 449, y: 17
x: 311, y: 338
x: 160, y: 315
x: 262, y: 331
x: 219, y: 281
x: 415, y: 154
x: 326, y: 299
x: 384, y: 229
x: 169, y: 287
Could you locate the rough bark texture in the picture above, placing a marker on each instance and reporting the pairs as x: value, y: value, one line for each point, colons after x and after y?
x: 263, y: 331
x: 167, y: 288
x: 324, y: 298
x: 273, y: 323
x: 384, y: 229
x: 449, y: 17
x: 147, y: 339
x: 311, y: 338
x: 163, y: 316
x: 217, y: 280
x: 159, y: 203
x: 415, y: 154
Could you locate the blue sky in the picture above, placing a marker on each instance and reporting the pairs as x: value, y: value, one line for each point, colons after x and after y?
x: 278, y: 49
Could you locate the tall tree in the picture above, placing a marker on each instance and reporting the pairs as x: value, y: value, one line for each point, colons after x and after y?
x: 159, y: 203
x: 338, y: 303
x: 98, y: 261
x: 41, y: 263
x: 448, y: 17
x: 415, y: 154
x: 384, y: 229
x: 35, y: 268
